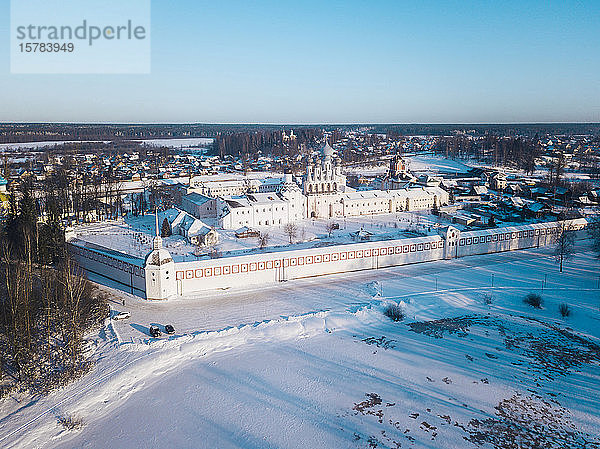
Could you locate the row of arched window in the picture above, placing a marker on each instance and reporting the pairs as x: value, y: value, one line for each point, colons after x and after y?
x: 329, y: 187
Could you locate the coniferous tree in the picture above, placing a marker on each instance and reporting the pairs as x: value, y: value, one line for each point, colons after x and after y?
x: 21, y: 226
x: 436, y: 208
x: 166, y: 230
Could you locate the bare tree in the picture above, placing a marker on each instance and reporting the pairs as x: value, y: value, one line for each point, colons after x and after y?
x: 73, y: 288
x: 211, y: 248
x: 14, y: 292
x: 263, y: 240
x: 117, y: 199
x: 291, y: 230
x: 214, y: 252
x: 557, y: 169
x: 563, y: 243
x: 330, y: 227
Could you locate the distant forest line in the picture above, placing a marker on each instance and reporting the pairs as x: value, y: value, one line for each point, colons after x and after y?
x: 37, y: 132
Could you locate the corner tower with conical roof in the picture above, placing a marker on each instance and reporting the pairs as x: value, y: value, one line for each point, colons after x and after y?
x: 160, y: 270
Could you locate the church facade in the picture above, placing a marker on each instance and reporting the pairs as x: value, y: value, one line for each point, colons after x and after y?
x: 398, y: 174
x: 327, y: 195
x: 323, y: 185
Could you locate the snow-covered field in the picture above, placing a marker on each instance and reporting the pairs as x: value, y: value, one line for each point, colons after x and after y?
x: 172, y: 143
x: 425, y: 163
x: 33, y: 145
x: 418, y: 163
x: 178, y: 143
x: 314, y: 363
x: 435, y: 164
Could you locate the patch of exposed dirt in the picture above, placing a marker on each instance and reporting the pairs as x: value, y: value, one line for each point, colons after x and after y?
x: 381, y: 342
x: 520, y: 422
x: 528, y: 423
x: 552, y: 351
x: 364, y: 407
x: 392, y: 433
x: 437, y: 328
x: 532, y: 420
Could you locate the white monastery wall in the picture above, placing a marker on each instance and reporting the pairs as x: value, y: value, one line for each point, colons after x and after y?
x: 265, y: 268
x: 193, y: 277
x: 126, y: 271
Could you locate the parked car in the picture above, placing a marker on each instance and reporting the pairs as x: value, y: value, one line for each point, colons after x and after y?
x: 154, y: 331
x: 169, y: 329
x: 121, y: 316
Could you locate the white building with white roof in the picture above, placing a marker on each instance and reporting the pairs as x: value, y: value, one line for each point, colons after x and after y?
x: 262, y: 209
x: 218, y: 188
x: 372, y: 202
x: 275, y: 201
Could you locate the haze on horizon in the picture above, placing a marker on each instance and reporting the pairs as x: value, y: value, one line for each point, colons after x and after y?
x: 339, y: 62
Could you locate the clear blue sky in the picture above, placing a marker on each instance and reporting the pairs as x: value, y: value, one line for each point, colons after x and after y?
x: 337, y: 62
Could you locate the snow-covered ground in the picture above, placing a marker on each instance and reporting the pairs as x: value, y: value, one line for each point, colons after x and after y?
x: 432, y: 164
x: 435, y: 164
x: 134, y: 235
x: 377, y: 169
x: 417, y: 163
x: 314, y: 363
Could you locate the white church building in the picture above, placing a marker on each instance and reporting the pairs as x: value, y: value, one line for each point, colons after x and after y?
x: 323, y: 185
x: 275, y: 201
x: 327, y: 195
